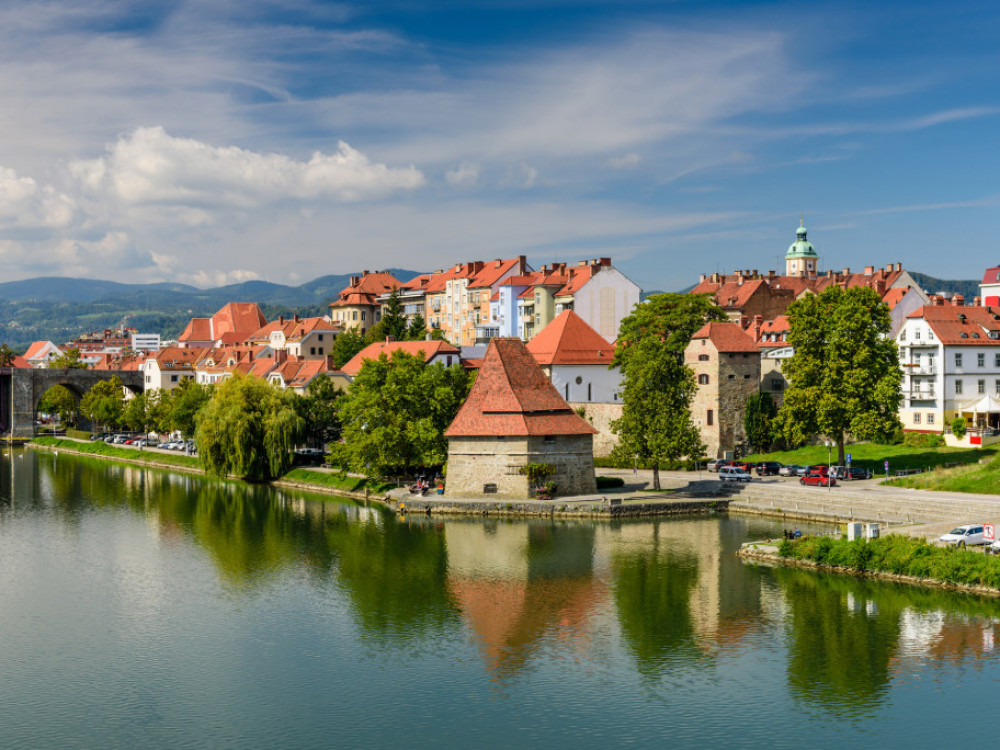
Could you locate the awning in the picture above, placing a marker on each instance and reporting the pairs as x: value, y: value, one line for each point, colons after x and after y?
x: 983, y: 405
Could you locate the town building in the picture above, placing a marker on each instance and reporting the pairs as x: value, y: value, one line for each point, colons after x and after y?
x: 726, y: 364
x: 950, y: 355
x: 233, y: 324
x: 41, y: 353
x: 433, y: 352
x: 305, y: 338
x: 514, y: 417
x: 357, y: 308
x: 167, y: 368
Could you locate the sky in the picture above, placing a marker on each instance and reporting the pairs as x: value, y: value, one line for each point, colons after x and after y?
x: 217, y: 141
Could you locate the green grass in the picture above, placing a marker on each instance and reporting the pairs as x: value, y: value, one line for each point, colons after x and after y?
x: 980, y: 478
x: 899, y: 555
x: 100, y: 448
x: 337, y: 481
x: 871, y: 456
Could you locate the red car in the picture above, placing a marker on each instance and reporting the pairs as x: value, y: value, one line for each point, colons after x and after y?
x: 817, y: 479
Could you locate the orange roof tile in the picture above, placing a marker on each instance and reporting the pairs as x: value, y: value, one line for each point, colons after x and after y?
x: 568, y: 340
x: 958, y: 325
x: 512, y: 396
x: 430, y: 349
x: 727, y: 337
x: 494, y: 270
x: 35, y: 350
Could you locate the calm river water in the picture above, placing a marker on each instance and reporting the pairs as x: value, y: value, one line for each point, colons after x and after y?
x: 145, y: 609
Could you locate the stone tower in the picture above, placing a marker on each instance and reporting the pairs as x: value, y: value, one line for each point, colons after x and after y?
x: 801, y: 258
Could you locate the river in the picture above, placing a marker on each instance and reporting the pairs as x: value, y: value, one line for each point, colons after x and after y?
x: 141, y: 608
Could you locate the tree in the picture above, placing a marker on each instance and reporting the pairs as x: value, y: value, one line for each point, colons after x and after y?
x: 59, y: 400
x: 68, y: 360
x: 417, y: 330
x: 248, y: 429
x: 138, y: 413
x: 393, y: 321
x: 437, y: 335
x: 346, y: 345
x: 758, y: 421
x: 104, y: 403
x: 658, y: 388
x: 182, y: 406
x: 6, y: 356
x: 844, y: 377
x: 396, y: 412
x: 319, y: 411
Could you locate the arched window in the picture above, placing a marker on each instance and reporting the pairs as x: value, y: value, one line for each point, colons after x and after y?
x: 703, y: 380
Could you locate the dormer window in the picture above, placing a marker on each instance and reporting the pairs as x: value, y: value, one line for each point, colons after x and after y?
x: 916, y: 334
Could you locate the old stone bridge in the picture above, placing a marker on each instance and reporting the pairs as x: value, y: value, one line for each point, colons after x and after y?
x: 22, y: 388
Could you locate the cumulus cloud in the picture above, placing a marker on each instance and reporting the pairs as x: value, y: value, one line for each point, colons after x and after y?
x: 24, y: 204
x: 220, y: 278
x: 149, y: 166
x: 467, y: 173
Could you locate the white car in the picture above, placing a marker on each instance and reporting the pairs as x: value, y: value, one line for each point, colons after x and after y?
x: 734, y: 474
x: 970, y: 533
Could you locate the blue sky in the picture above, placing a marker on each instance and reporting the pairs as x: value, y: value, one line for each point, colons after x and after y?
x: 211, y: 142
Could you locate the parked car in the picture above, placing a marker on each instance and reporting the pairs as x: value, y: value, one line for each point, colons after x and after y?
x: 857, y: 472
x: 803, y: 470
x: 715, y: 464
x: 821, y: 469
x: 734, y: 474
x: 818, y: 480
x: 789, y: 470
x: 768, y: 468
x: 960, y: 536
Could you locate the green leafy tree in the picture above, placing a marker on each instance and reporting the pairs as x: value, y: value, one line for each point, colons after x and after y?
x: 393, y: 321
x: 844, y: 377
x: 248, y: 429
x: 185, y: 403
x: 319, y: 410
x: 758, y: 421
x: 658, y: 388
x: 137, y: 413
x: 396, y: 412
x: 68, y: 360
x: 417, y: 329
x: 59, y: 400
x: 6, y: 356
x: 346, y: 345
x: 438, y: 335
x: 104, y: 403
x: 958, y: 427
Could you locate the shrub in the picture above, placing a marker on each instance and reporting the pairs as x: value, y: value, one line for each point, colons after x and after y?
x: 607, y: 483
x: 78, y: 434
x: 958, y: 427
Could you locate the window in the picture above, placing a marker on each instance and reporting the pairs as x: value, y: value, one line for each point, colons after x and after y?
x: 916, y: 334
x: 708, y: 418
x: 958, y: 387
x: 930, y: 417
x: 981, y: 386
x: 996, y: 360
x: 980, y: 360
x: 777, y: 384
x: 704, y: 357
x: 312, y: 349
x: 930, y: 335
x: 588, y: 392
x: 996, y: 386
x: 363, y: 313
x: 958, y: 360
x: 902, y: 335
x: 356, y: 315
x: 173, y: 378
x: 731, y: 377
x: 916, y: 418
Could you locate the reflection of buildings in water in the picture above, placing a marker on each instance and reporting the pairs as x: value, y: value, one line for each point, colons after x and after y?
x: 939, y: 638
x: 518, y: 583
x: 724, y: 605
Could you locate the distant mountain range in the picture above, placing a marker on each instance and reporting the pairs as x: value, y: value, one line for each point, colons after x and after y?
x: 59, y: 309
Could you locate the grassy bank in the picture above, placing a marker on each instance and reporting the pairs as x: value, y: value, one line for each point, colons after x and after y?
x: 979, y: 478
x: 335, y: 481
x: 898, y: 555
x: 872, y: 456
x: 100, y: 448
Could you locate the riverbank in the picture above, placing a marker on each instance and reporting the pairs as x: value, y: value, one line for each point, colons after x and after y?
x: 587, y: 506
x: 891, y: 558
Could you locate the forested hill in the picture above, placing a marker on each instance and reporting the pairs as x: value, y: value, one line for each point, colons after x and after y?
x: 968, y: 289
x: 58, y: 309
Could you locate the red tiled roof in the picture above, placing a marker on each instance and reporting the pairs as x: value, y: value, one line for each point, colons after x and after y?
x: 894, y: 296
x: 35, y: 350
x: 512, y: 396
x: 365, y: 289
x: 198, y: 329
x: 492, y: 271
x: 430, y: 349
x: 175, y: 357
x: 568, y: 340
x: 948, y: 324
x: 991, y: 275
x: 20, y: 361
x: 727, y: 337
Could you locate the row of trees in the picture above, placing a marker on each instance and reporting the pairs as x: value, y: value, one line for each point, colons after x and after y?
x: 393, y: 323
x: 844, y: 376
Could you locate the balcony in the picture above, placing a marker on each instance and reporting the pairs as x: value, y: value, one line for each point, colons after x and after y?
x: 485, y: 333
x: 921, y: 394
x: 930, y: 369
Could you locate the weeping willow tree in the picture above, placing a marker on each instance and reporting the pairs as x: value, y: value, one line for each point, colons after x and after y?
x: 248, y: 429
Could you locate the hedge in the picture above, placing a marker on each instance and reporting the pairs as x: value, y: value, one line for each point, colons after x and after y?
x: 78, y: 434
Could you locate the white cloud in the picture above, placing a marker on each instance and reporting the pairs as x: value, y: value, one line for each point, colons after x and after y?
x: 467, y: 173
x: 24, y: 204
x: 627, y: 161
x: 219, y: 278
x: 151, y: 167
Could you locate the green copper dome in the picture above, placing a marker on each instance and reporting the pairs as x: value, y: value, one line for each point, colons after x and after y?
x: 801, y: 248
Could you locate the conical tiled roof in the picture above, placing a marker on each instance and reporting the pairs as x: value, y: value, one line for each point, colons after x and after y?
x: 512, y: 396
x: 568, y: 340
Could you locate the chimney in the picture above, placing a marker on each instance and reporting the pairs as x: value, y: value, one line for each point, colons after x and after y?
x: 758, y: 321
x: 869, y: 270
x: 756, y: 274
x: 846, y: 272
x: 522, y: 263
x: 977, y: 302
x: 899, y: 266
x: 390, y: 339
x: 365, y: 272
x: 543, y: 268
x: 354, y: 280
x: 280, y: 356
x: 937, y: 300
x: 829, y: 274
x: 497, y: 263
x: 582, y: 263
x: 281, y: 319
x: 880, y: 287
x: 771, y: 274
x: 295, y: 318
x: 604, y: 261
x: 958, y: 300
x: 701, y: 279
x: 744, y: 322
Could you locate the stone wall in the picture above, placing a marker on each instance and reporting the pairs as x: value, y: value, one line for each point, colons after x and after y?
x: 474, y: 462
x: 600, y: 417
x: 722, y: 400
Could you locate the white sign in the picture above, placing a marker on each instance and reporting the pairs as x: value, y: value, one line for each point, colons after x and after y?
x: 989, y: 533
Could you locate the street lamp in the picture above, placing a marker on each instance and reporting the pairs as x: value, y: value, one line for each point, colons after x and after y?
x: 829, y: 456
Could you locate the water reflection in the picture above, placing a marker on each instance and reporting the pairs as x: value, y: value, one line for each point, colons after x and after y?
x: 671, y: 593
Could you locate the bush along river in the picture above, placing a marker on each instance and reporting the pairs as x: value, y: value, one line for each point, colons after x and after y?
x: 142, y: 608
